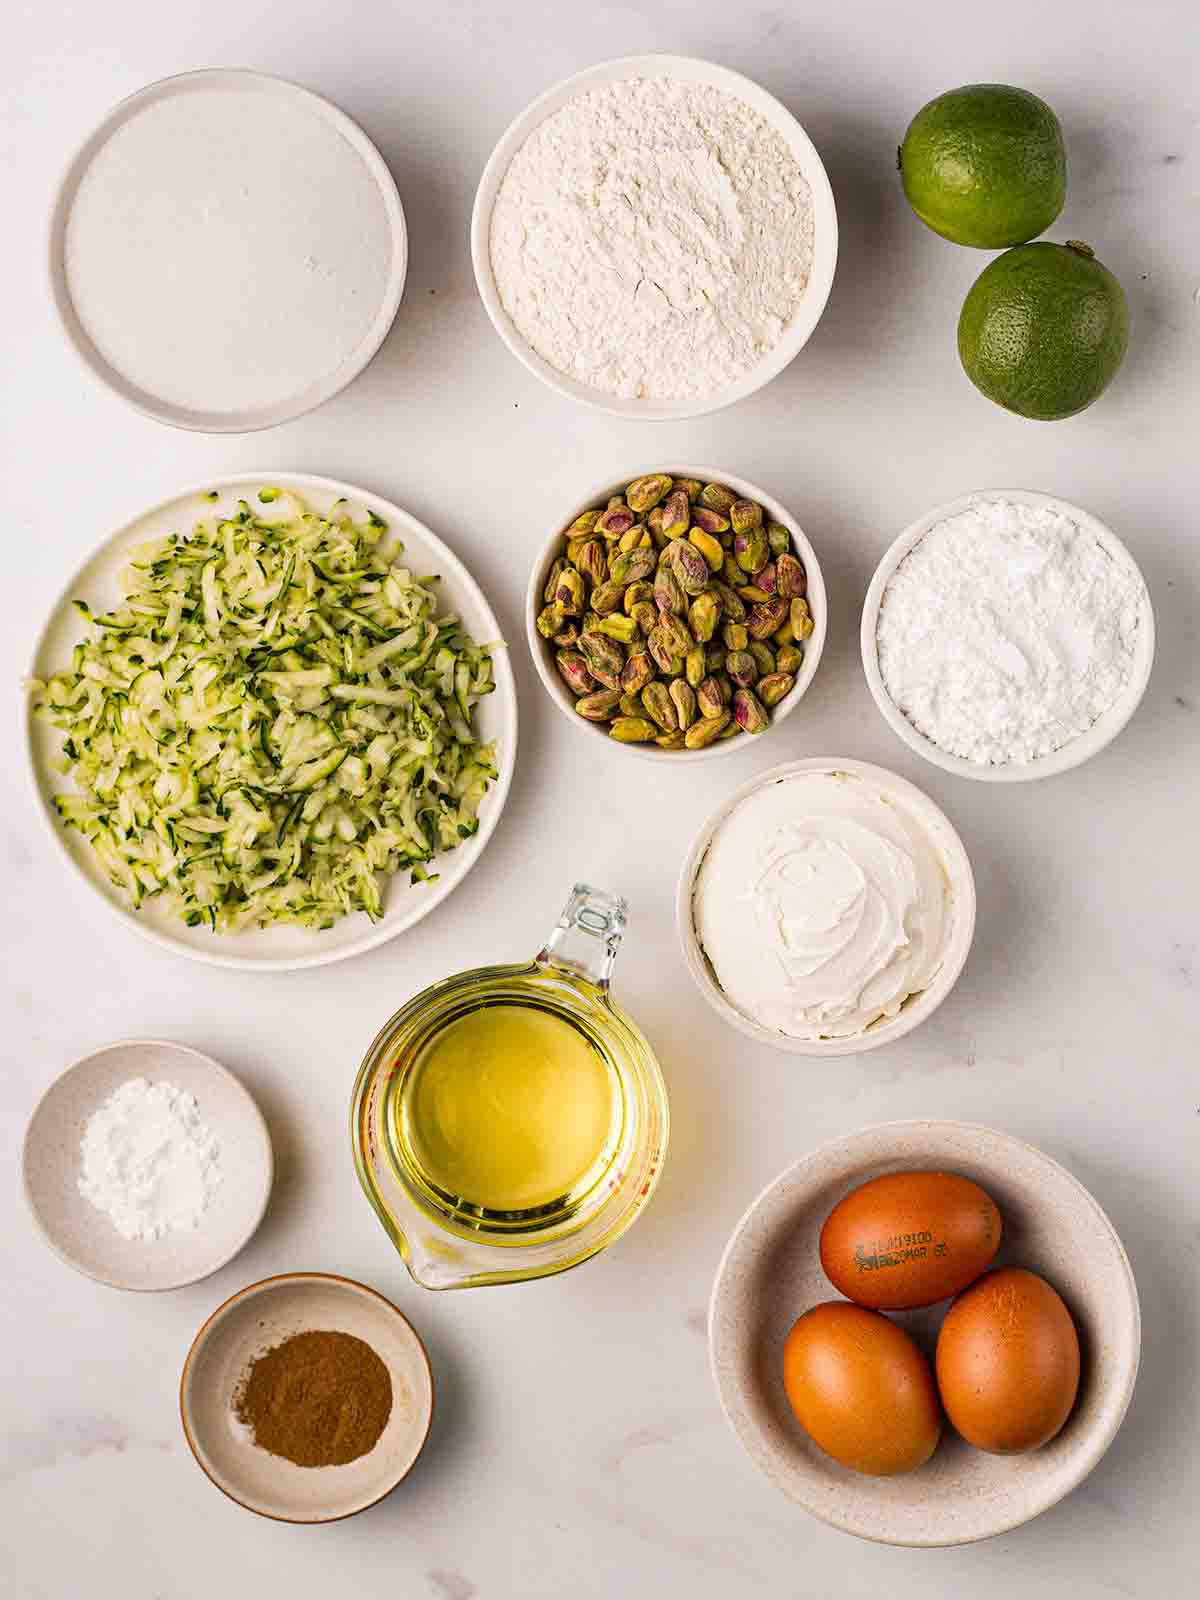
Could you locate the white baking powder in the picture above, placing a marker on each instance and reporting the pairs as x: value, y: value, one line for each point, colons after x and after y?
x: 148, y: 1160
x: 653, y: 239
x: 1007, y: 630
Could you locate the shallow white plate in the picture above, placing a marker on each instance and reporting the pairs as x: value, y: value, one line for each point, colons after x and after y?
x: 917, y: 1007
x: 1105, y: 728
x: 771, y: 1272
x: 84, y: 1237
x: 689, y: 70
x: 264, y: 1315
x: 171, y: 171
x: 283, y: 948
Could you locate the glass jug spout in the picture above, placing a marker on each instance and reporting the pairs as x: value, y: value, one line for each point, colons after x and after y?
x: 585, y: 940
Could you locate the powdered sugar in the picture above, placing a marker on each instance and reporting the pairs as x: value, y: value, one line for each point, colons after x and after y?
x: 1007, y: 631
x: 653, y: 238
x: 148, y: 1160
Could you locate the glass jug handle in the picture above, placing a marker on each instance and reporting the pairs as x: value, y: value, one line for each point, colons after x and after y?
x: 588, y: 935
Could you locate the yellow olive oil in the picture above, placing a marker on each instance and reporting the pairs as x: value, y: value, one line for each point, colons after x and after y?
x: 509, y: 1108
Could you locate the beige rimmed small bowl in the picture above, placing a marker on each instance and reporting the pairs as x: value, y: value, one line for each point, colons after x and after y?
x: 771, y: 1273
x: 543, y: 651
x: 917, y: 1007
x: 690, y: 70
x: 255, y: 1320
x: 1106, y: 727
x: 85, y: 1238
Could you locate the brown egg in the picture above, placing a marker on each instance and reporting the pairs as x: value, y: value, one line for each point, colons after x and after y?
x: 909, y: 1239
x: 1008, y: 1362
x: 861, y: 1389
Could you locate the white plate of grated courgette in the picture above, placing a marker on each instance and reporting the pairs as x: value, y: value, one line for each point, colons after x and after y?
x: 265, y: 724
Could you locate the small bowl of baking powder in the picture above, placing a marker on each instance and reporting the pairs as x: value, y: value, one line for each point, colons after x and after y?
x: 655, y: 237
x: 1007, y: 636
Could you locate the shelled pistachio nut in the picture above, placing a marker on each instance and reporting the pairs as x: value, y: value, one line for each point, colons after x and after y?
x: 676, y: 514
x: 632, y: 565
x: 766, y: 617
x: 598, y: 706
x: 708, y: 547
x: 800, y: 619
x: 717, y: 498
x: 645, y: 492
x: 660, y: 707
x: 764, y: 657
x: 791, y: 580
x: 748, y: 711
x: 710, y: 697
x: 772, y: 688
x: 637, y: 672
x: 668, y: 591
x: 604, y: 657
x: 573, y: 670
x: 623, y: 629
x: 684, y: 699
x: 633, y: 730
x: 707, y: 729
x: 742, y: 668
x: 703, y: 615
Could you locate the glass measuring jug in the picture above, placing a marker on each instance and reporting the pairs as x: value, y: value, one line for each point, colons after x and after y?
x: 511, y: 1121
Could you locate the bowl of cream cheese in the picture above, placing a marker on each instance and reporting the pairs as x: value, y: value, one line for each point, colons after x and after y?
x: 827, y: 908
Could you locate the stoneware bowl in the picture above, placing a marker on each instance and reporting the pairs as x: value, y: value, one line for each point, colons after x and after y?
x: 918, y: 1007
x: 543, y: 651
x: 86, y: 1238
x: 771, y: 1272
x: 689, y: 70
x: 255, y: 1320
x: 1101, y: 732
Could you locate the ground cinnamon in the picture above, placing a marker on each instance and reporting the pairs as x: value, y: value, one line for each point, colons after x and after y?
x: 319, y: 1399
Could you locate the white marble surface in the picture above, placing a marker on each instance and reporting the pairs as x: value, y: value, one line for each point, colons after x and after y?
x: 578, y: 1448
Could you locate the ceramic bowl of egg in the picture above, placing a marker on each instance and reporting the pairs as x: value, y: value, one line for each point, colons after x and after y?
x: 925, y: 1333
x: 826, y: 908
x: 678, y: 613
x: 1007, y: 636
x: 680, y: 273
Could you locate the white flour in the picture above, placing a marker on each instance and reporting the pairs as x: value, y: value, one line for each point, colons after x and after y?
x: 1007, y: 631
x: 148, y: 1160
x: 653, y: 239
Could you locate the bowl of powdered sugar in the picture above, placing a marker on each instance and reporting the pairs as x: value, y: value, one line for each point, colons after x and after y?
x: 655, y: 237
x: 1007, y: 636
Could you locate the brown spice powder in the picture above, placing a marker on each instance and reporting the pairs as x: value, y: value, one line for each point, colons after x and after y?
x: 319, y: 1399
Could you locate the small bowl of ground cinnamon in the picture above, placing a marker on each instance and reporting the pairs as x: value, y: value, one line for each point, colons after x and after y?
x: 306, y: 1397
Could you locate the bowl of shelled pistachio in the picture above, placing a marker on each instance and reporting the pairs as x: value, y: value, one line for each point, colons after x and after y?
x: 679, y: 613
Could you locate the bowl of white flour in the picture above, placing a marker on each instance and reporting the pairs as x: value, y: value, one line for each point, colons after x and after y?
x: 1007, y: 636
x: 655, y: 237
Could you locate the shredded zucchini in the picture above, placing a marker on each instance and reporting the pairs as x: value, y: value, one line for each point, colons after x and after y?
x: 272, y: 721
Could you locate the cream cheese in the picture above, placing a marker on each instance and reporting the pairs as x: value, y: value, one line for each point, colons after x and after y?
x: 822, y: 905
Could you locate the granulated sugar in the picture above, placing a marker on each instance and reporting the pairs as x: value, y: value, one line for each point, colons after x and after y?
x: 653, y: 239
x: 1007, y: 631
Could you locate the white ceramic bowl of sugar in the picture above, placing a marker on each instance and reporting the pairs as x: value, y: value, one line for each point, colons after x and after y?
x: 685, y: 69
x: 1072, y: 754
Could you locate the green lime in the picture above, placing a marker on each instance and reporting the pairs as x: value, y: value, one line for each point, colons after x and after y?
x: 1044, y: 329
x: 985, y: 165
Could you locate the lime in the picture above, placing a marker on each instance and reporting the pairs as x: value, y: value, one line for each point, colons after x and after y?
x: 985, y: 165
x: 1044, y: 329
